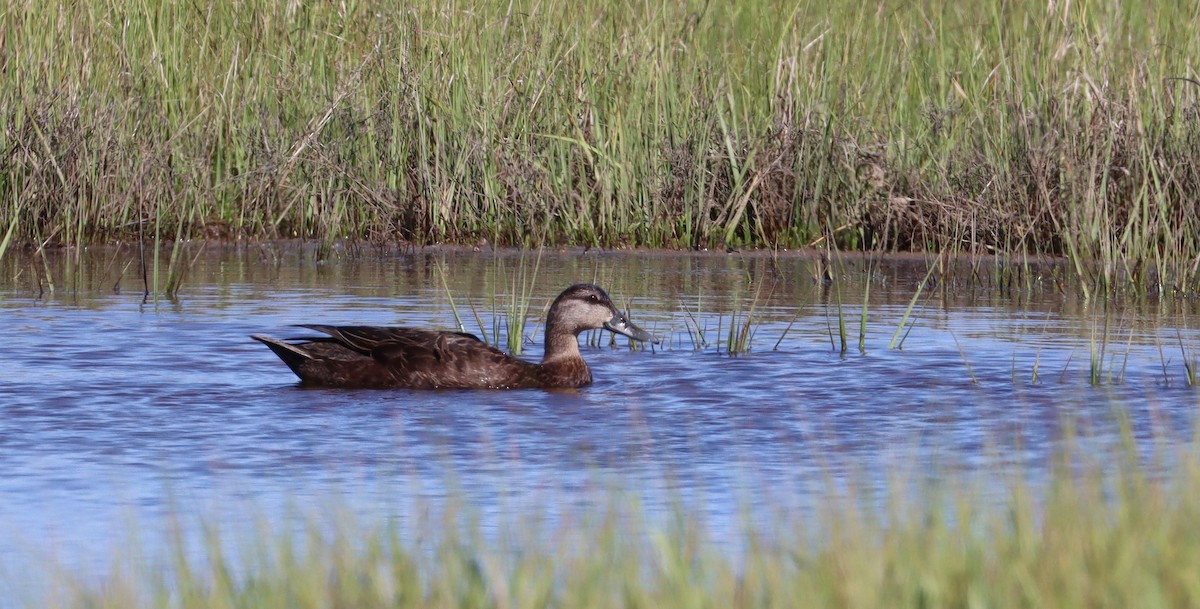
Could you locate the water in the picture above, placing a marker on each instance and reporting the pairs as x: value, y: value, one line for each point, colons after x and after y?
x: 121, y: 414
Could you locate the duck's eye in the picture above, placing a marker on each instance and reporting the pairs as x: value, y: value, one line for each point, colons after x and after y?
x: 593, y: 298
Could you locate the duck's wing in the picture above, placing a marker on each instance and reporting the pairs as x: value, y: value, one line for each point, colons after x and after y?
x: 454, y: 360
x: 423, y: 358
x: 371, y: 339
x: 442, y: 349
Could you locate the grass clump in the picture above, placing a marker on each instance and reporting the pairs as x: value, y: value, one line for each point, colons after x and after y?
x: 1085, y: 538
x: 1027, y: 126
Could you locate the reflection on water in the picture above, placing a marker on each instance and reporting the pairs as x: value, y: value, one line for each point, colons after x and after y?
x: 113, y: 409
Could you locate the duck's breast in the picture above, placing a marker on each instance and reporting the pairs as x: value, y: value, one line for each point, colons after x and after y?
x: 565, y: 372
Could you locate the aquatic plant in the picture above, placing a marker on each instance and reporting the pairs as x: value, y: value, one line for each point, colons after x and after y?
x: 742, y: 325
x: 1190, y: 361
x: 835, y: 279
x: 441, y: 271
x: 510, y: 300
x: 897, y: 341
x: 695, y: 329
x: 520, y: 293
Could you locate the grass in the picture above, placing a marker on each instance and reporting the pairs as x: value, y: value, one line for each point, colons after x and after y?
x: 1116, y: 534
x: 898, y: 338
x: 517, y: 310
x: 1190, y: 361
x: 1024, y: 127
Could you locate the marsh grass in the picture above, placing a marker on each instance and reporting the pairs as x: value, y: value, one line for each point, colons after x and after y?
x: 1028, y: 127
x: 510, y: 301
x: 10, y: 230
x: 516, y: 311
x: 1111, y: 530
x: 441, y: 271
x: 695, y: 329
x: 1098, y: 349
x: 1190, y: 360
x: 866, y: 306
x: 897, y: 341
x: 739, y: 338
x: 834, y: 280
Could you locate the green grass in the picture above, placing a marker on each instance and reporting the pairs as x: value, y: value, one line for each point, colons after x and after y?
x: 1119, y: 534
x: 1019, y: 127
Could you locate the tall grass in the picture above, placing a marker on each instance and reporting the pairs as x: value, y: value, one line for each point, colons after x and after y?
x: 1022, y: 127
x: 1115, y: 535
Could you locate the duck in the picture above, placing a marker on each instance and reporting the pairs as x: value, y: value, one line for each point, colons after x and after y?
x: 373, y: 357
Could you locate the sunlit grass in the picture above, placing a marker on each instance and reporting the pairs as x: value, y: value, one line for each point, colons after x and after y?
x: 1023, y: 127
x: 1097, y: 532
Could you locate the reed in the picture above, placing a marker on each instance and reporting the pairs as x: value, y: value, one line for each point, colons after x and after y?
x: 1190, y: 361
x: 1028, y: 127
x: 695, y: 330
x: 440, y: 266
x: 743, y: 326
x: 841, y: 320
x: 9, y: 231
x: 897, y: 341
x: 866, y: 305
x: 517, y: 309
x: 1097, y: 350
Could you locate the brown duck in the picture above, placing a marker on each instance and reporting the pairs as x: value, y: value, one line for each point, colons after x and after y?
x: 366, y: 356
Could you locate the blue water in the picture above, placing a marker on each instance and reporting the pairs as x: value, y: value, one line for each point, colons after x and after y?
x: 120, y: 415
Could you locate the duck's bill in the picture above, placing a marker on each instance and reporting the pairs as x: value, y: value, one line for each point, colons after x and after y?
x: 624, y: 327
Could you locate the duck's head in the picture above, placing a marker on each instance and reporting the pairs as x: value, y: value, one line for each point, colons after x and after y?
x: 584, y: 306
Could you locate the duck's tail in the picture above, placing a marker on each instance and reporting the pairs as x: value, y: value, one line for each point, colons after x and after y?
x: 291, y: 355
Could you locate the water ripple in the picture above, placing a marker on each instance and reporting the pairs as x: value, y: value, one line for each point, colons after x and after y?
x: 109, y: 404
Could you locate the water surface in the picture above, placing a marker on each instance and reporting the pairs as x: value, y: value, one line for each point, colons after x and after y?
x: 117, y: 409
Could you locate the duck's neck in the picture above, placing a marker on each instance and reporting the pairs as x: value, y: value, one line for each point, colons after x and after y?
x: 560, y: 346
x: 562, y: 364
